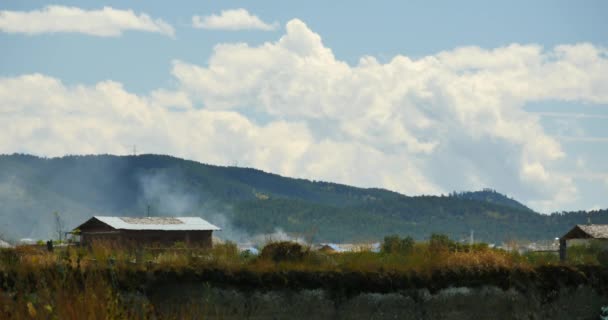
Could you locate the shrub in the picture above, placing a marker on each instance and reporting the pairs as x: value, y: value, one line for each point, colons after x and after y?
x: 584, y: 254
x: 441, y: 243
x: 396, y: 244
x: 180, y: 245
x: 602, y: 258
x: 284, y: 251
x: 541, y: 258
x: 9, y: 257
x: 226, y: 253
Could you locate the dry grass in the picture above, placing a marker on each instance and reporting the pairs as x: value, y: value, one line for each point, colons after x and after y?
x: 78, y: 283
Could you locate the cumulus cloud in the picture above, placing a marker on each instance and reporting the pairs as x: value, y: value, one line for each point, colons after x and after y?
x: 456, y: 117
x: 106, y: 22
x: 450, y: 121
x: 235, y: 19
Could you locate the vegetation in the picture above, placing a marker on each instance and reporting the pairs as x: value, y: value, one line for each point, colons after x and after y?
x: 284, y: 251
x: 593, y: 254
x: 255, y: 202
x: 397, y: 245
x: 491, y: 196
x: 106, y: 281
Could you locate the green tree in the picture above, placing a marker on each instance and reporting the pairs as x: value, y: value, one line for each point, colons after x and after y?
x: 396, y: 244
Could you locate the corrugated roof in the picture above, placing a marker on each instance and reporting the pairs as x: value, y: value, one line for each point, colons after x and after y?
x: 598, y: 231
x: 158, y: 223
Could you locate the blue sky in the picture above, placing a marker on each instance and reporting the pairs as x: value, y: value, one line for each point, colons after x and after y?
x: 273, y: 98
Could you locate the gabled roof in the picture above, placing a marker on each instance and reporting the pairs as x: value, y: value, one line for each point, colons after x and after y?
x: 586, y: 231
x: 157, y: 223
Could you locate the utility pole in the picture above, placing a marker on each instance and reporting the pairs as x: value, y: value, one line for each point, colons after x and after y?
x: 148, y: 210
x: 134, y: 150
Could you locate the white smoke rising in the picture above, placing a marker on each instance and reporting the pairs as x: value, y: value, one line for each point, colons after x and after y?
x: 168, y: 195
x: 165, y: 195
x: 260, y: 240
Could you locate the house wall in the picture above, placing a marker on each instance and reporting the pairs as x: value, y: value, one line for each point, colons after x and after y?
x: 157, y: 237
x: 95, y: 231
x: 601, y: 243
x: 147, y: 237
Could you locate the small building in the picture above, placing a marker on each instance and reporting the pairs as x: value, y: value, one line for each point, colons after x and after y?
x: 147, y: 230
x: 584, y: 234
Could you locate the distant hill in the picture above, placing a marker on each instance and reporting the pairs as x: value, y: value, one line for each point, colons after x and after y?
x: 491, y: 196
x: 247, y: 202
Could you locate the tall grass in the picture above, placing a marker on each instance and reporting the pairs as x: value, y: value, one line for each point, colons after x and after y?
x: 83, y: 283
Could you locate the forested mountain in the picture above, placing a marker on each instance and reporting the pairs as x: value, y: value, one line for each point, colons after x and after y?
x: 247, y: 202
x: 492, y: 196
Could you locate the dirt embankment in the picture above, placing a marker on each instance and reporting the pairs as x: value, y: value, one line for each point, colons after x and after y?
x: 543, y: 293
x: 554, y: 292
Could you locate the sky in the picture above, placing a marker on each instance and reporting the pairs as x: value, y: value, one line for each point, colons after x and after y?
x: 419, y: 97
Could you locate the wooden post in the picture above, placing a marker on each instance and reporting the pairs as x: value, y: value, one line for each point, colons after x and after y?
x: 562, y: 249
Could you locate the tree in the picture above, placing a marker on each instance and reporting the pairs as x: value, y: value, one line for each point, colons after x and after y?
x: 58, y: 225
x: 396, y: 244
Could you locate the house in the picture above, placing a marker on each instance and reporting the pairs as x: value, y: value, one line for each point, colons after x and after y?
x: 147, y: 230
x: 584, y: 234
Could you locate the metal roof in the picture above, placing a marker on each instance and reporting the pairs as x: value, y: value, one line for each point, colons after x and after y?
x: 586, y: 231
x: 158, y: 223
x: 598, y: 231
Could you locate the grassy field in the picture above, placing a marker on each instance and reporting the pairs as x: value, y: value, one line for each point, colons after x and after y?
x: 107, y: 281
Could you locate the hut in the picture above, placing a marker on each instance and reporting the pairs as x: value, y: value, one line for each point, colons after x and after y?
x: 582, y: 234
x: 142, y: 231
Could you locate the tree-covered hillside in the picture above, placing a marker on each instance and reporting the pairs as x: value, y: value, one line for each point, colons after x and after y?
x: 248, y: 202
x: 489, y: 195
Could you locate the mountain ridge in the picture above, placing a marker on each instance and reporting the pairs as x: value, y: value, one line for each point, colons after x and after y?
x: 247, y: 201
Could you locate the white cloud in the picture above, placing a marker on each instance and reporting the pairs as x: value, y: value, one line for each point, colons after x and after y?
x: 170, y: 99
x: 106, y: 22
x: 235, y: 19
x: 451, y: 110
x: 450, y: 121
x: 572, y: 115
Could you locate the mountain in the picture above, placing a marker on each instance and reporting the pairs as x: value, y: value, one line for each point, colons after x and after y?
x: 248, y: 202
x: 491, y: 196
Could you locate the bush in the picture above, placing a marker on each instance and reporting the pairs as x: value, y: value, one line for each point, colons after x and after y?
x: 284, y: 251
x: 9, y: 257
x: 396, y: 244
x: 228, y: 249
x: 584, y: 254
x: 441, y: 243
x: 602, y: 258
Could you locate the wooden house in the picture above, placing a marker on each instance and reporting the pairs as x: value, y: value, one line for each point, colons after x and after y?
x: 584, y: 234
x: 147, y: 231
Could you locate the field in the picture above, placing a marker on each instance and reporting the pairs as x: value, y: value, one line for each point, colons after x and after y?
x: 111, y: 282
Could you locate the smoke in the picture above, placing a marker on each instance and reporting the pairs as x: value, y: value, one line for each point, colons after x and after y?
x: 260, y: 240
x: 164, y: 194
x: 168, y: 194
x: 229, y: 232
